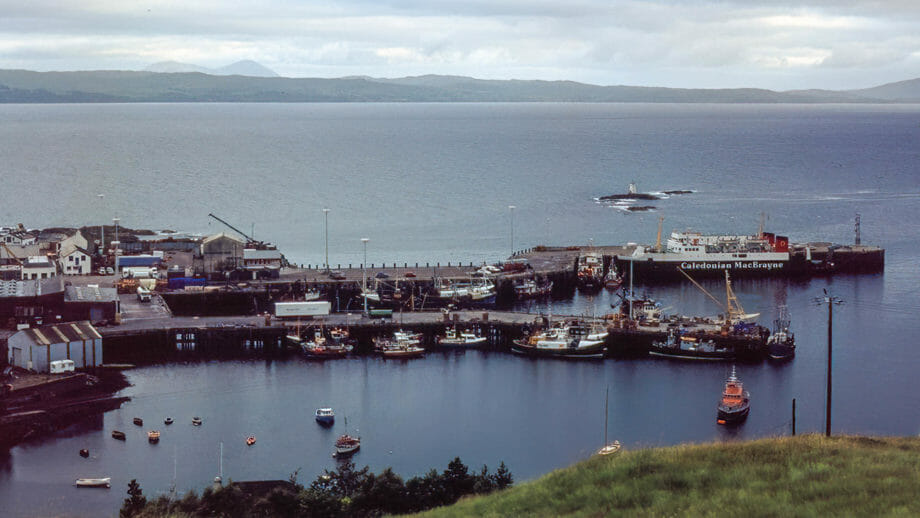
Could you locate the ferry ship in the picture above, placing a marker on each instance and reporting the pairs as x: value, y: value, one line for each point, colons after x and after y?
x: 702, y: 255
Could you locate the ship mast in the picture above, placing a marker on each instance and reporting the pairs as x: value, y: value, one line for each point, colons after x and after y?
x: 658, y: 241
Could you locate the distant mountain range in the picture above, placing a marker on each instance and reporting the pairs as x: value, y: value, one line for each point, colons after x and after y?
x: 240, y: 68
x: 248, y: 81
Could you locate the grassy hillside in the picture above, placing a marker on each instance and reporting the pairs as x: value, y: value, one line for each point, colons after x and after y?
x: 795, y: 476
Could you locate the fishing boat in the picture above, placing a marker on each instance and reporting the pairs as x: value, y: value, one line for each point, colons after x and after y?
x: 566, y: 340
x: 168, y: 421
x: 401, y: 345
x: 250, y: 440
x: 530, y: 289
x: 686, y: 347
x: 609, y: 447
x: 138, y: 421
x: 613, y: 280
x: 346, y: 445
x: 781, y: 343
x: 322, y: 347
x: 735, y: 403
x: 590, y: 271
x: 84, y: 453
x: 94, y: 482
x: 118, y: 435
x: 454, y: 338
x: 325, y: 416
x: 196, y: 421
x: 153, y: 436
x: 396, y: 349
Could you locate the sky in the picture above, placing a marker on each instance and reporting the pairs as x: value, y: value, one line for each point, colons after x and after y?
x: 779, y: 45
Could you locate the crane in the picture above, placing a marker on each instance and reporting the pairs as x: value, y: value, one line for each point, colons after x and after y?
x: 734, y: 312
x: 249, y: 239
x: 12, y: 255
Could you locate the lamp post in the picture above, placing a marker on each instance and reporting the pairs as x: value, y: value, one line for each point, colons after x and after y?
x: 326, y: 227
x: 364, y: 240
x: 116, y: 243
x: 511, y: 208
x: 101, y: 227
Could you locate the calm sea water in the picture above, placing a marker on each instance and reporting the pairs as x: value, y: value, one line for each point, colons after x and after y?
x: 433, y: 183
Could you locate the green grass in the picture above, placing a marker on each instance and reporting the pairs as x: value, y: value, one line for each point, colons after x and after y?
x: 794, y: 476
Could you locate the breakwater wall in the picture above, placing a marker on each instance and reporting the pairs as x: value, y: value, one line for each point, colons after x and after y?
x: 227, y: 340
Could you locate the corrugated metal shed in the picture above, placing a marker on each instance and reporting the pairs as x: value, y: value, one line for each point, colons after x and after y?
x: 61, y: 333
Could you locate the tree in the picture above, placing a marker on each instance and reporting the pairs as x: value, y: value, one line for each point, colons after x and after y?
x: 136, y: 501
x: 457, y: 480
x: 483, y: 482
x: 502, y: 477
x: 381, y: 494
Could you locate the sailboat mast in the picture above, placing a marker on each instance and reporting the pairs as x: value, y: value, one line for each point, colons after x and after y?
x: 606, y: 413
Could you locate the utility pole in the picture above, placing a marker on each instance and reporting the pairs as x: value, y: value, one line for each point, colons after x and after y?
x: 831, y: 301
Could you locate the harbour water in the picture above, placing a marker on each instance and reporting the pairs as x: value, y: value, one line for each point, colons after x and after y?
x: 433, y: 183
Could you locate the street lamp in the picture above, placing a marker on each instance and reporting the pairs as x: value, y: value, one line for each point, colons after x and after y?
x: 116, y: 243
x: 511, y: 208
x: 326, y: 227
x: 364, y: 240
x: 101, y: 227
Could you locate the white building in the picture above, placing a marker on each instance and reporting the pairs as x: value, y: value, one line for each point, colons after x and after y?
x: 268, y: 262
x: 17, y: 236
x: 77, y: 262
x: 38, y: 267
x: 37, y: 347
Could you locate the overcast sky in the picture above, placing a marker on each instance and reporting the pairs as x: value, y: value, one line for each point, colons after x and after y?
x: 781, y: 45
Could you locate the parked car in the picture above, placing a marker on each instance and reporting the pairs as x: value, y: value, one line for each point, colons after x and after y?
x: 337, y: 275
x: 409, y: 274
x: 382, y: 275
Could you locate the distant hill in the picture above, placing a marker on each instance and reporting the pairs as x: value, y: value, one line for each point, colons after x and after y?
x: 902, y: 91
x: 240, y: 68
x: 178, y: 82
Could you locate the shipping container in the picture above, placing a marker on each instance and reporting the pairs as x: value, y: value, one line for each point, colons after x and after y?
x: 178, y: 283
x: 302, y: 309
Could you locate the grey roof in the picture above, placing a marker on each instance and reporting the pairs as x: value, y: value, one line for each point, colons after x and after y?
x: 62, y: 333
x: 31, y: 288
x: 252, y: 253
x: 221, y: 235
x: 89, y: 294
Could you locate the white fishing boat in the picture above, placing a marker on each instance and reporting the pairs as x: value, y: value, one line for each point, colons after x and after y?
x: 94, y: 482
x: 325, y: 416
x: 567, y: 340
x: 455, y: 338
